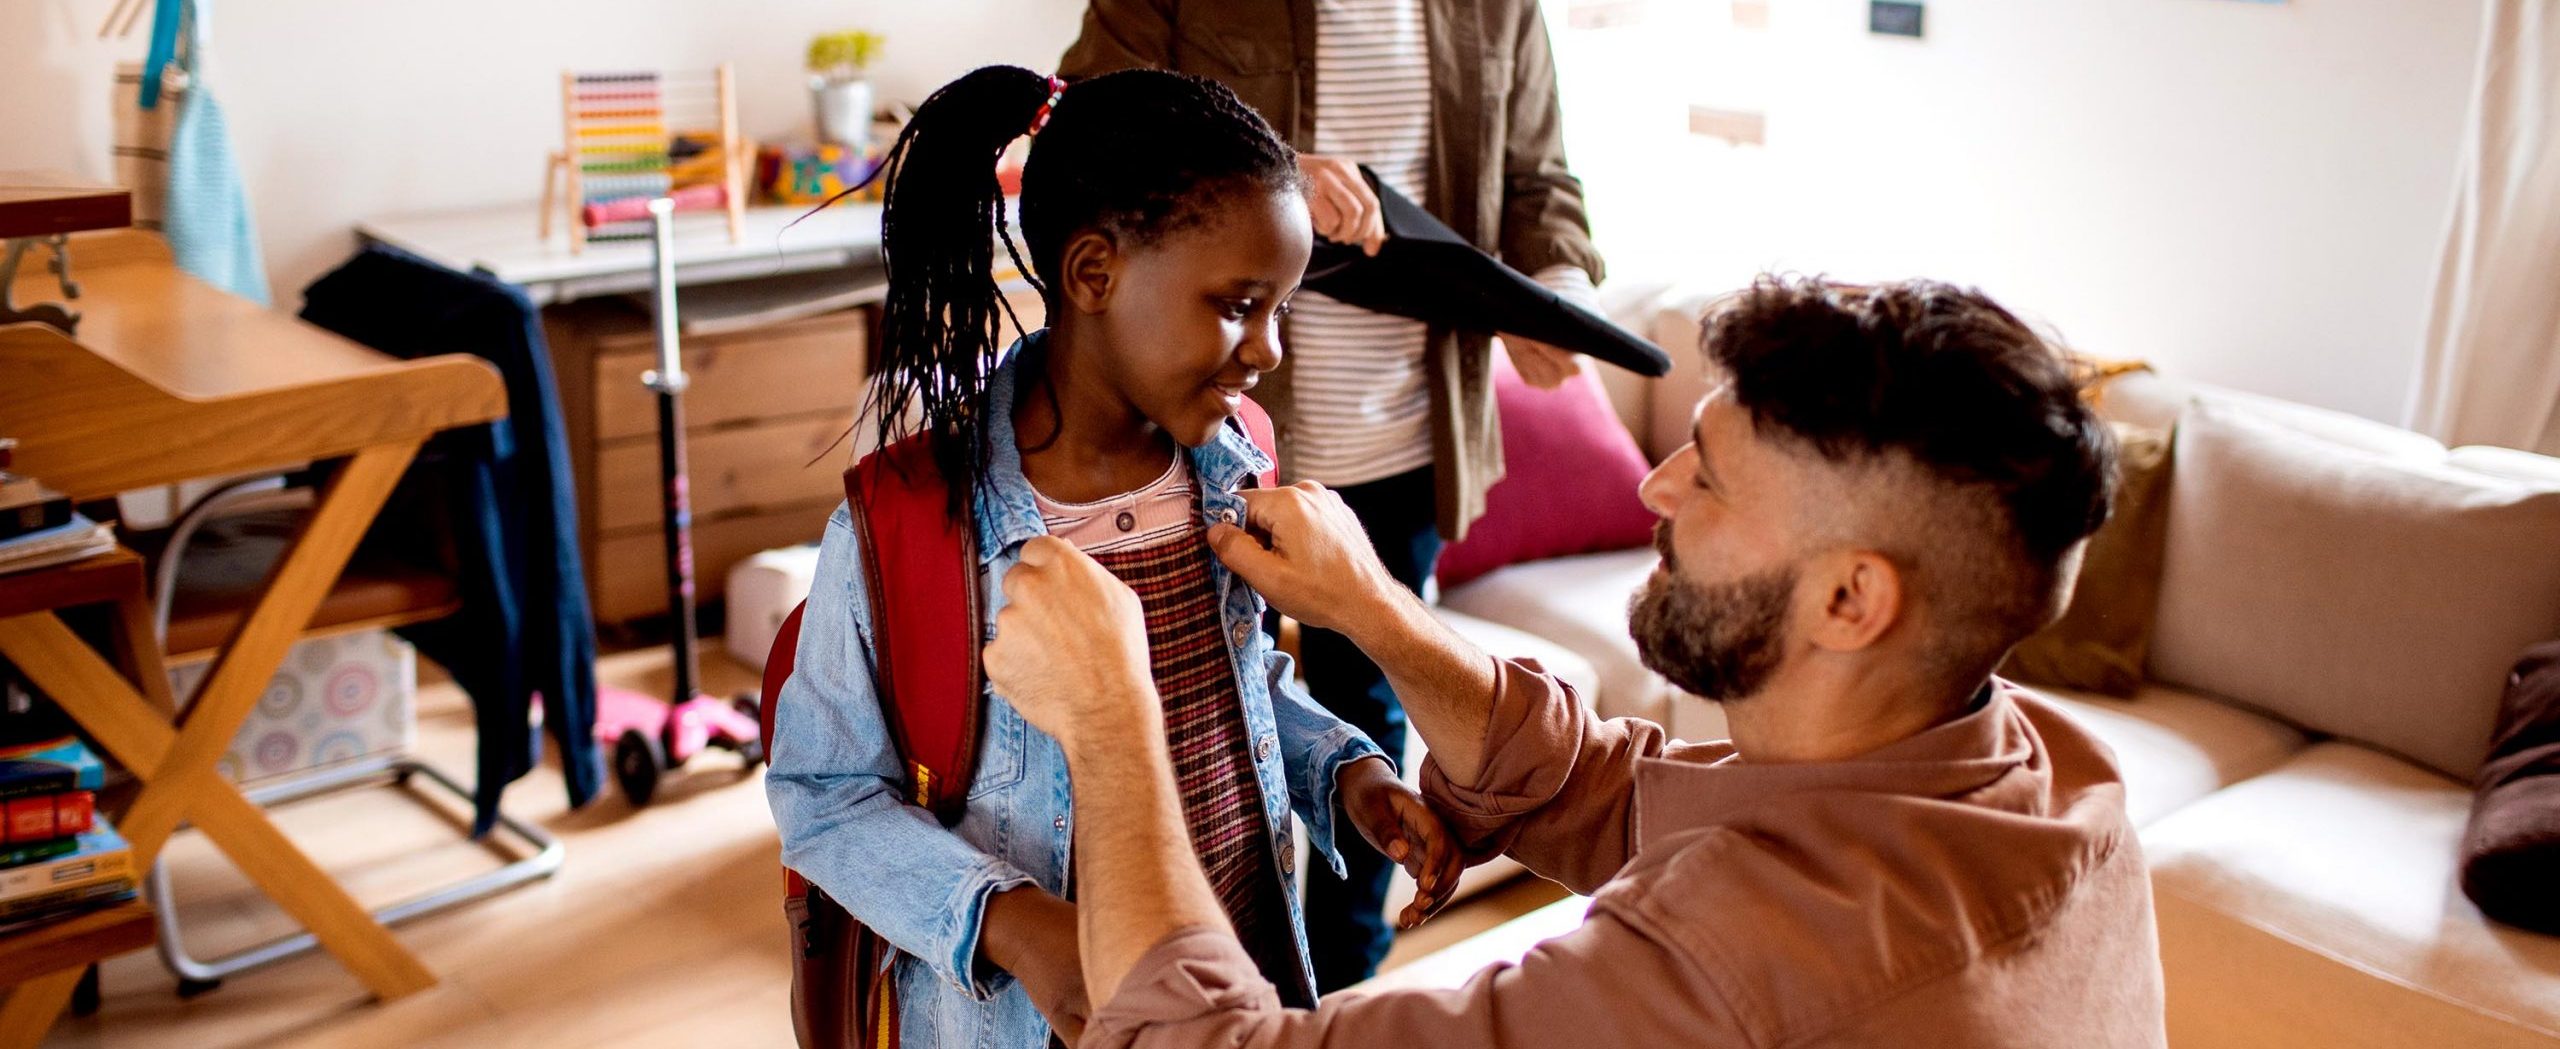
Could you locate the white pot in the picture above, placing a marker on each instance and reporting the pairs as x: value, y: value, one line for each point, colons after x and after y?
x: 844, y: 112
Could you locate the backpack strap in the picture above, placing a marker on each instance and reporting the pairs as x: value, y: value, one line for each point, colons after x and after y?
x: 919, y: 561
x: 1257, y: 426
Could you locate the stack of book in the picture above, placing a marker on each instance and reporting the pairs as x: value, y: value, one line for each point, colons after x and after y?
x: 58, y: 856
x: 38, y: 527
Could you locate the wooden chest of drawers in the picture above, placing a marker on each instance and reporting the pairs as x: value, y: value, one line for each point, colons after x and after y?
x: 763, y: 418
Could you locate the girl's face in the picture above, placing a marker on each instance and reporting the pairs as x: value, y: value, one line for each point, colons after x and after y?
x: 1193, y: 321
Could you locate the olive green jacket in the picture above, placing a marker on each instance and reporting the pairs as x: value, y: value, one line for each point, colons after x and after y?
x: 1497, y: 173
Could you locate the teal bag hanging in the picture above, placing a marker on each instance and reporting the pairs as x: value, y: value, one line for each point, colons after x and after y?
x: 207, y: 220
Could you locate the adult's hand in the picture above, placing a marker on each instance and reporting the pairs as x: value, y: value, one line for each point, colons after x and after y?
x: 1305, y: 552
x: 1070, y: 651
x: 1540, y: 365
x: 1307, y: 555
x: 1345, y: 208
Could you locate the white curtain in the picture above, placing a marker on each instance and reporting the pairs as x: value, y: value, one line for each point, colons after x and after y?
x: 2490, y: 373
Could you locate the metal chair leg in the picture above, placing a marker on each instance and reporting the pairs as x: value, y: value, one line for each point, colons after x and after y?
x: 196, y: 976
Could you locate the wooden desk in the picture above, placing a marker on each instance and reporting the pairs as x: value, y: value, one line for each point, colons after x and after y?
x: 506, y: 244
x: 174, y: 380
x: 768, y: 402
x: 43, y: 203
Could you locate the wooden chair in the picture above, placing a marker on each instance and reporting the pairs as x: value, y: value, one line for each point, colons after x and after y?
x: 171, y: 380
x: 380, y: 589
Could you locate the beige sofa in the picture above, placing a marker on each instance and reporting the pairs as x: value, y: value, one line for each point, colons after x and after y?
x: 2340, y: 602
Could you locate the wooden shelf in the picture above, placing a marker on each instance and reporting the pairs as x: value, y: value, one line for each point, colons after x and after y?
x: 75, y: 941
x: 43, y: 203
x: 91, y: 580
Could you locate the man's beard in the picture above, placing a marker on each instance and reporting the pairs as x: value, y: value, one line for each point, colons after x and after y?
x: 1719, y: 641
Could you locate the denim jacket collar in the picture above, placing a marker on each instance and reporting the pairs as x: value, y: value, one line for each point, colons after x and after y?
x: 1009, y: 515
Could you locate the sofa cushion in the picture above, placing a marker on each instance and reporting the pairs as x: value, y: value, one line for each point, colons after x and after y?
x: 2175, y: 747
x: 1673, y: 398
x: 2351, y: 581
x: 2102, y: 639
x: 1569, y: 482
x: 2315, y: 906
x: 1579, y: 603
x: 1512, y: 643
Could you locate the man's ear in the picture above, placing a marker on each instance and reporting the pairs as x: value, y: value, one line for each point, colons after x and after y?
x: 1861, y: 598
x: 1089, y: 272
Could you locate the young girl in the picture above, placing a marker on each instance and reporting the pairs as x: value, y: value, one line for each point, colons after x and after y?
x: 1166, y: 227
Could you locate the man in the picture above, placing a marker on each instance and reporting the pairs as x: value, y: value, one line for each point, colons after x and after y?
x: 1887, y: 489
x: 1394, y: 416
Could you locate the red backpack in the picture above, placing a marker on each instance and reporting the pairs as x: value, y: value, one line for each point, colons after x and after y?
x: 927, y: 673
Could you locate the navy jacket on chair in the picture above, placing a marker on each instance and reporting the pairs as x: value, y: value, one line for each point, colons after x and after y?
x: 524, y: 629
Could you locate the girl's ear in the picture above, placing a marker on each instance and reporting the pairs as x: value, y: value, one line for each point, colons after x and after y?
x: 1089, y: 272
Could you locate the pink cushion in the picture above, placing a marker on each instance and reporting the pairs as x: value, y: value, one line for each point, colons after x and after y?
x: 1569, y: 485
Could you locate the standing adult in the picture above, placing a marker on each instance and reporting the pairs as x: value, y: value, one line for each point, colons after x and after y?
x: 1452, y: 103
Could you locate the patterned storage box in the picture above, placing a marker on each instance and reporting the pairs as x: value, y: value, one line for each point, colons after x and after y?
x: 335, y: 699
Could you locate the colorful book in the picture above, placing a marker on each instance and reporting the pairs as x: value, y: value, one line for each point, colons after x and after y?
x: 36, y: 910
x: 37, y: 767
x: 14, y: 855
x: 100, y: 858
x: 23, y: 779
x: 46, y: 817
x: 61, y: 544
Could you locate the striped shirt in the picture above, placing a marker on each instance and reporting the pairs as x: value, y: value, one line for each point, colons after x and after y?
x: 1361, y: 409
x: 1151, y: 539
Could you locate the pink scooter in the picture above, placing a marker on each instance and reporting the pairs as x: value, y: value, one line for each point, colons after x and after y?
x: 651, y: 737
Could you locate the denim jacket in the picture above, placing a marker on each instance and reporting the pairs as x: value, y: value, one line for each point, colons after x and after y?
x: 835, y: 784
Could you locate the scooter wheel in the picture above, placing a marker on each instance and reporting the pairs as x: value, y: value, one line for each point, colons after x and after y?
x: 638, y: 758
x: 752, y: 750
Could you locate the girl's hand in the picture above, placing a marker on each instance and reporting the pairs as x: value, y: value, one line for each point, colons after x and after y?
x: 1032, y: 934
x: 1398, y: 823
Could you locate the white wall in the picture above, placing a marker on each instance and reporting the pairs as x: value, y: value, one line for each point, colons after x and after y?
x: 2244, y: 193
x: 343, y: 109
x: 2248, y: 194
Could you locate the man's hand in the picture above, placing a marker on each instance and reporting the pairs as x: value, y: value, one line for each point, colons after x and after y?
x: 1313, y: 561
x: 1070, y: 651
x: 1540, y: 365
x: 1032, y: 934
x: 1399, y: 824
x: 1345, y: 208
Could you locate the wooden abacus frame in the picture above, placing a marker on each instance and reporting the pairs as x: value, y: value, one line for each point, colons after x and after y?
x: 565, y: 184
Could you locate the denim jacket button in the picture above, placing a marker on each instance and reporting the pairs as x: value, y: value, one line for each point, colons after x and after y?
x: 1225, y: 516
x: 1241, y: 631
x: 1060, y: 823
x: 1262, y: 749
x: 1288, y: 861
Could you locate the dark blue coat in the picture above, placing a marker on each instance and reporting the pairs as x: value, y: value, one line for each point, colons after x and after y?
x: 524, y: 630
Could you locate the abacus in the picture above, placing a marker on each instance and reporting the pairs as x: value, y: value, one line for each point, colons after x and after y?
x: 632, y: 137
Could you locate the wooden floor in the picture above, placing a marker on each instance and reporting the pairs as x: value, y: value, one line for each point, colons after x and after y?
x: 664, y: 928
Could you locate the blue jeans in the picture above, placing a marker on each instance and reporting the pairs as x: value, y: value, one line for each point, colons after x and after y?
x: 1348, y: 932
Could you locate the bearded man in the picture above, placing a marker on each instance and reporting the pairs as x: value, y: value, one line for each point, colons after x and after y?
x: 1887, y: 488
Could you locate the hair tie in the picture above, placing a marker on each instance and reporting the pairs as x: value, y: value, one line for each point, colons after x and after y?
x: 1040, y: 119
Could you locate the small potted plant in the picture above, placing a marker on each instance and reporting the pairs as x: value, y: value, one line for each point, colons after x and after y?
x: 836, y: 65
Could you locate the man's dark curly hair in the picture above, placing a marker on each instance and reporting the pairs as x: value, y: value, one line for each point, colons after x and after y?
x: 1945, y: 379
